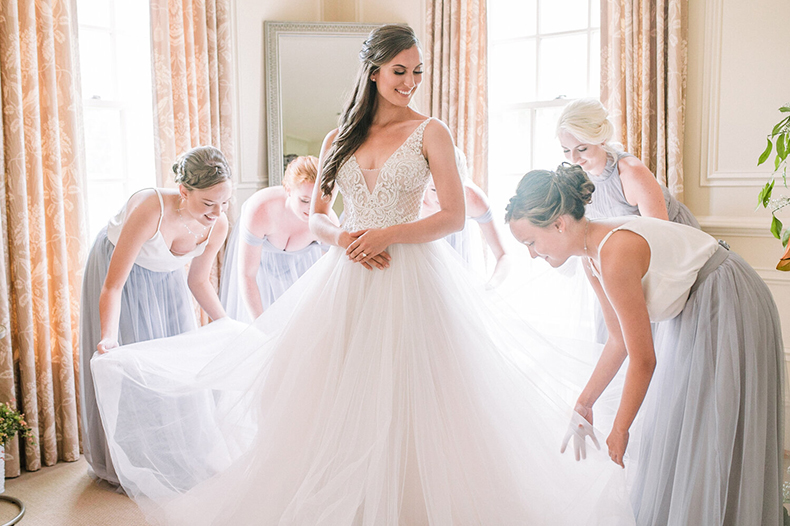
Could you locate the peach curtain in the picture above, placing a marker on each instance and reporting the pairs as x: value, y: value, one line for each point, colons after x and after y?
x: 643, y: 79
x: 456, y: 76
x: 193, y: 78
x: 193, y: 84
x: 43, y: 225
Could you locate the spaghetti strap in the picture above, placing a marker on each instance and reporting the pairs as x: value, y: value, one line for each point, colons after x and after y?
x: 161, y: 210
x: 606, y: 238
x: 210, y: 230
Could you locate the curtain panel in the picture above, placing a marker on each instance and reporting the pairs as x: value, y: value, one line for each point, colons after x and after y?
x: 643, y: 80
x: 193, y: 79
x: 193, y: 85
x: 43, y: 226
x: 456, y: 76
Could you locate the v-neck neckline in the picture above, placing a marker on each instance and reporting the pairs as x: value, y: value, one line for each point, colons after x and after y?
x: 378, y: 176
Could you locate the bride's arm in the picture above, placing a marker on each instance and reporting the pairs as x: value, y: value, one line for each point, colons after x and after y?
x: 321, y: 224
x: 323, y: 220
x: 439, y: 151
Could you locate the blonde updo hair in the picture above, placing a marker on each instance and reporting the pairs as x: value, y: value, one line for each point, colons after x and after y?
x: 588, y: 121
x: 542, y: 195
x: 303, y: 169
x: 201, y: 167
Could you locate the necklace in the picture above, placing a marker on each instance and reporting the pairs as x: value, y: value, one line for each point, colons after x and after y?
x: 183, y: 222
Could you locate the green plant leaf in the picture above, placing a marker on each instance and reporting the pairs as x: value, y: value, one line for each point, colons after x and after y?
x: 777, y: 161
x: 766, y: 153
x: 779, y: 125
x: 781, y: 146
x: 785, y: 108
x: 776, y: 227
x: 785, y: 237
x: 765, y: 194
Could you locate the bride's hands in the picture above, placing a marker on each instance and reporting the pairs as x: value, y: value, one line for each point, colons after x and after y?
x: 579, y: 428
x: 369, y: 248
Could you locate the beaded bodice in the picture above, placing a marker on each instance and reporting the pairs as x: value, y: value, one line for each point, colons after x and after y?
x: 397, y: 195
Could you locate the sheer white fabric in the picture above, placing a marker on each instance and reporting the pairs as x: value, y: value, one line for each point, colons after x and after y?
x: 361, y: 398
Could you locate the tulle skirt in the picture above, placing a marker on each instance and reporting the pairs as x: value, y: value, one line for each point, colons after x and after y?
x: 153, y: 305
x: 277, y: 271
x: 364, y: 398
x: 712, y: 443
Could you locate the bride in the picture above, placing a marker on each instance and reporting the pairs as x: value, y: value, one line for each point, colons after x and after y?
x: 382, y: 388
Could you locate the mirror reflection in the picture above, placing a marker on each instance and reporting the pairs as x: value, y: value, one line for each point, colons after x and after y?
x: 308, y: 80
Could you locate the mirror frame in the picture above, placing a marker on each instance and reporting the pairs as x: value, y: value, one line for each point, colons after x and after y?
x: 274, y: 121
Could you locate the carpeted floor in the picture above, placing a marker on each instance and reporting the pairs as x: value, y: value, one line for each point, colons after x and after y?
x: 64, y: 495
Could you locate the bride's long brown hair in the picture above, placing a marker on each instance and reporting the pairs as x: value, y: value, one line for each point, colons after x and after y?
x: 381, y: 46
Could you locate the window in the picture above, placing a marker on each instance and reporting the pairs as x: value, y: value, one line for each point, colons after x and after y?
x: 115, y: 66
x: 542, y: 54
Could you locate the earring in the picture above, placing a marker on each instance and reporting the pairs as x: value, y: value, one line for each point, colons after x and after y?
x: 560, y: 231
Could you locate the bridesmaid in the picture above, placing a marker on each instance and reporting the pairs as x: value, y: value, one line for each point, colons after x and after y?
x: 271, y: 246
x: 478, y: 209
x: 623, y: 184
x: 135, y: 287
x: 709, y: 380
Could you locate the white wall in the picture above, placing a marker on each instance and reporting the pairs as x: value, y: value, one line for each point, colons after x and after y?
x: 250, y: 15
x: 738, y: 78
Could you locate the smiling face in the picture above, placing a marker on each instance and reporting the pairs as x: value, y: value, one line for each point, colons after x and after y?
x: 298, y: 200
x: 551, y: 243
x: 591, y: 157
x: 206, y: 205
x: 397, y: 80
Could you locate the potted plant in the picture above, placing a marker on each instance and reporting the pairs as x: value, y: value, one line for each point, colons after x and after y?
x: 779, y: 144
x: 11, y: 423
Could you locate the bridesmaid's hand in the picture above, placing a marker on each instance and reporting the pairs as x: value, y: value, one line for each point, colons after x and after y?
x: 106, y: 344
x: 579, y: 428
x: 617, y: 442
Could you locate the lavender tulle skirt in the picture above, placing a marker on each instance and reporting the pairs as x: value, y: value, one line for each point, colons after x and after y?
x: 712, y: 442
x: 153, y: 305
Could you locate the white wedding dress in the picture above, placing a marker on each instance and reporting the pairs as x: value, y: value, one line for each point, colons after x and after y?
x: 360, y: 398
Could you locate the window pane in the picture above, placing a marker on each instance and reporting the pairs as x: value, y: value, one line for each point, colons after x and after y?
x: 563, y: 67
x: 514, y: 19
x: 563, y: 15
x: 548, y: 154
x: 509, y: 143
x: 103, y: 143
x: 96, y: 64
x: 512, y: 74
x: 595, y: 13
x: 595, y: 64
x: 94, y: 12
x: 105, y: 199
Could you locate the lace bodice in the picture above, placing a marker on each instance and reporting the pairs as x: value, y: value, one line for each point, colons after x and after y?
x: 397, y: 196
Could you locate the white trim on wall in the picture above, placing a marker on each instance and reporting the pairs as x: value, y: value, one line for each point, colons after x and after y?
x: 726, y: 226
x: 710, y: 174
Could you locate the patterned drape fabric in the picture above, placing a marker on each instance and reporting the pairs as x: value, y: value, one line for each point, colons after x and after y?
x: 456, y: 76
x: 193, y: 79
x: 643, y: 78
x: 43, y: 226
